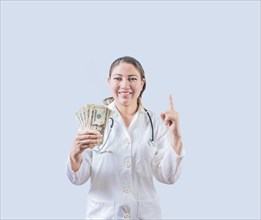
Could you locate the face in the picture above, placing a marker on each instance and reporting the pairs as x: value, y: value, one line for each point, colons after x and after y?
x: 126, y: 84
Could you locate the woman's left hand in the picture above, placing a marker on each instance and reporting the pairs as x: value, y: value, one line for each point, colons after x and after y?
x: 171, y: 119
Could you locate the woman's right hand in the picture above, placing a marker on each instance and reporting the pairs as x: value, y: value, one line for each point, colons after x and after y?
x: 83, y: 140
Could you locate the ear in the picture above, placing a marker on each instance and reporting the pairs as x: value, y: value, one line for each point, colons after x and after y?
x: 142, y: 83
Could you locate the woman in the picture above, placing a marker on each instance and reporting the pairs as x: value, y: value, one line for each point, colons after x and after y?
x: 139, y: 146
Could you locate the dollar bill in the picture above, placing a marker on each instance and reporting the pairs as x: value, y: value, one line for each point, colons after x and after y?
x: 98, y: 118
x: 80, y: 118
x: 93, y: 117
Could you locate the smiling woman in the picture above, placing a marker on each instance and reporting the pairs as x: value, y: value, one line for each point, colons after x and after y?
x: 132, y: 66
x: 122, y: 177
x: 126, y: 83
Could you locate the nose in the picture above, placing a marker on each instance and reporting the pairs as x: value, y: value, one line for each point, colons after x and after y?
x: 125, y: 83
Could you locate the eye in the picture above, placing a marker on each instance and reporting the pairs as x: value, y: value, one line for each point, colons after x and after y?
x: 117, y: 78
x: 133, y: 78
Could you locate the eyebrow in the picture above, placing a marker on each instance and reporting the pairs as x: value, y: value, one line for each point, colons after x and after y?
x: 127, y: 75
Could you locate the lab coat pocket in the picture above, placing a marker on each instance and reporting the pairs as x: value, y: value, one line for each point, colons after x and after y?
x: 143, y: 160
x: 149, y: 209
x: 99, y: 210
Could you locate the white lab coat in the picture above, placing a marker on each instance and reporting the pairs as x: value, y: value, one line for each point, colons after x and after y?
x: 122, y: 177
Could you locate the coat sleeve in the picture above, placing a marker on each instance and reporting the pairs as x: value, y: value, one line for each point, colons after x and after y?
x: 166, y: 164
x: 84, y: 173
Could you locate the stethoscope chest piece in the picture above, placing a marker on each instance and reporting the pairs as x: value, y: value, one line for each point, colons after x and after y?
x: 151, y: 143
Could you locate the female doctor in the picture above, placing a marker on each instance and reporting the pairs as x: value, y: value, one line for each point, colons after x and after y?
x: 139, y: 146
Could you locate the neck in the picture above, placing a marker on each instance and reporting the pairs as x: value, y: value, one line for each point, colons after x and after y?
x: 127, y: 110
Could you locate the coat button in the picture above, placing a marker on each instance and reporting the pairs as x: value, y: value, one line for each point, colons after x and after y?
x: 126, y: 189
x: 127, y: 165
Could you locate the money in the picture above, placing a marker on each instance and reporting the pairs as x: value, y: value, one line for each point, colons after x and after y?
x: 93, y: 117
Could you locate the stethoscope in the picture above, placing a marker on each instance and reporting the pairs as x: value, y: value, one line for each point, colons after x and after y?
x: 151, y: 140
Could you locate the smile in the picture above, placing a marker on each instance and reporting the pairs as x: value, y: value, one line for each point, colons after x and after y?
x: 125, y: 93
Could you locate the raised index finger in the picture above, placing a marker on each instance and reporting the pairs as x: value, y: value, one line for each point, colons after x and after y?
x: 171, y: 104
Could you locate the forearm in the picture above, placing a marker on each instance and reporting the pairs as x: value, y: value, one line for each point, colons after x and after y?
x: 167, y: 165
x: 78, y: 175
x: 176, y: 143
x: 76, y: 162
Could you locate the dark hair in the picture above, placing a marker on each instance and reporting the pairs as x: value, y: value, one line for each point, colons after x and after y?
x: 136, y: 64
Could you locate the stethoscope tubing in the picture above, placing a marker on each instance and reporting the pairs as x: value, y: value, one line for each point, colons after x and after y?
x: 151, y: 124
x: 151, y: 141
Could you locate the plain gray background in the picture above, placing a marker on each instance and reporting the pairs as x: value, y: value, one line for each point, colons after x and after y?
x: 55, y: 57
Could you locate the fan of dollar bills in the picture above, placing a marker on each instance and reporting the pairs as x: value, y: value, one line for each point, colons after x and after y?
x: 93, y: 117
